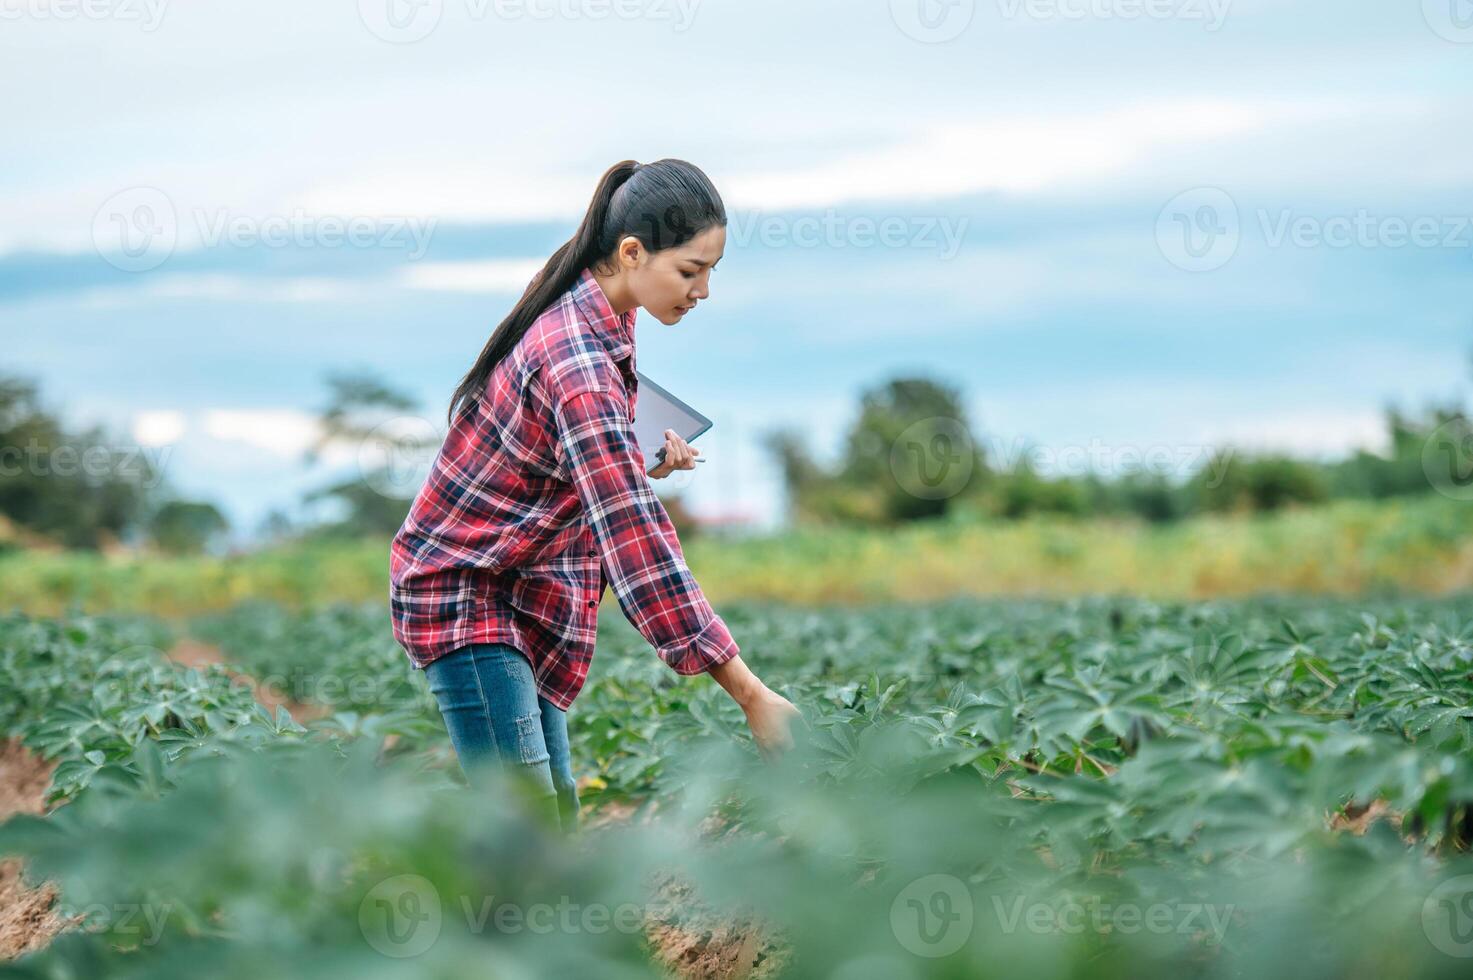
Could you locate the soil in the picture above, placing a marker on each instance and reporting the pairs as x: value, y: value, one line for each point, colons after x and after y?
x: 193, y: 653
x: 28, y: 920
x: 686, y: 937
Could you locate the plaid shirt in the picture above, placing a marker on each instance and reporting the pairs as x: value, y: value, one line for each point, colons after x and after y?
x: 537, y: 499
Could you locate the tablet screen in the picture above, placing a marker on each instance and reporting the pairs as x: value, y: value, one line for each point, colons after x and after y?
x: 658, y: 410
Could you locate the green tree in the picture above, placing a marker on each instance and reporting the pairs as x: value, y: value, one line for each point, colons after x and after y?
x: 908, y: 455
x: 1233, y: 481
x: 80, y: 489
x: 187, y: 526
x: 391, y: 446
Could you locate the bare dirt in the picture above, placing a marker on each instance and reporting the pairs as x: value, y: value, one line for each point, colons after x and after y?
x: 689, y: 939
x: 192, y: 653
x: 28, y: 919
x: 686, y: 937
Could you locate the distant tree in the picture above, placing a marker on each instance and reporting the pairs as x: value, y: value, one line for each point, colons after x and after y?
x: 1440, y: 440
x: 1233, y: 481
x: 77, y: 488
x: 277, y: 525
x: 908, y: 455
x: 187, y: 526
x: 378, y: 425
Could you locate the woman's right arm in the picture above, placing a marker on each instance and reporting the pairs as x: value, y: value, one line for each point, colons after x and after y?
x: 770, y: 716
x: 642, y: 558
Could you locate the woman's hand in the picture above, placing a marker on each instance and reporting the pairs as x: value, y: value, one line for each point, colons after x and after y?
x: 771, y: 716
x: 678, y: 456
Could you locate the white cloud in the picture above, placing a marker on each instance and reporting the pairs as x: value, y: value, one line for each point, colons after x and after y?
x: 284, y: 432
x: 158, y: 427
x: 225, y: 287
x: 1012, y: 153
x: 1302, y: 433
x: 493, y: 276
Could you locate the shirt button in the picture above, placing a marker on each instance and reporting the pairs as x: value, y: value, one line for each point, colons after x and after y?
x: 592, y: 603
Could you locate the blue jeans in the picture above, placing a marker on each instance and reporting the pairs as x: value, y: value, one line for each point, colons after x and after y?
x: 496, y: 718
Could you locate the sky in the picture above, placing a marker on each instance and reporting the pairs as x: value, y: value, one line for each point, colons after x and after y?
x: 1118, y: 227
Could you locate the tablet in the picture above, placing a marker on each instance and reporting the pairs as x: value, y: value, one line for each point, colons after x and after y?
x: 657, y: 410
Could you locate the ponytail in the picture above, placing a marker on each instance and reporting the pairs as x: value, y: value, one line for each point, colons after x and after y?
x: 663, y: 204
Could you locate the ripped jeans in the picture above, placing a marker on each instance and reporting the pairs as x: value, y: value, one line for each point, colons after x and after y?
x: 495, y: 716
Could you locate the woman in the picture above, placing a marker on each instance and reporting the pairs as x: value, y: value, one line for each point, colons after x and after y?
x: 538, y: 496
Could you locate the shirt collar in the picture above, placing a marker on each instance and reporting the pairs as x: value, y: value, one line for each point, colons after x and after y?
x: 615, y: 332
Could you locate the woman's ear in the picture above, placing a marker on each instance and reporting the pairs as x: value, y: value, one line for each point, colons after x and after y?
x: 631, y: 252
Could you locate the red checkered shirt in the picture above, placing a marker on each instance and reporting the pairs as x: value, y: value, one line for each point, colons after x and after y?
x: 538, y: 498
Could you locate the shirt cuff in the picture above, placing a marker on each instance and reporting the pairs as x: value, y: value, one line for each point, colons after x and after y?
x: 712, y: 646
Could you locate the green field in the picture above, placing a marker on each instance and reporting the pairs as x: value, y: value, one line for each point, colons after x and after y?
x: 1045, y: 788
x: 1413, y: 546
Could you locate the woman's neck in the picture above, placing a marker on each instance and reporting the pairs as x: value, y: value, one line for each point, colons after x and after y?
x: 616, y: 291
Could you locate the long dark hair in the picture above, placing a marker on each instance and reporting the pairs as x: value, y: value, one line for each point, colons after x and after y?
x: 664, y: 204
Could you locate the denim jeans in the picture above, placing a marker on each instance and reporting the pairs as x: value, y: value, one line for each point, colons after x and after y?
x: 497, y: 719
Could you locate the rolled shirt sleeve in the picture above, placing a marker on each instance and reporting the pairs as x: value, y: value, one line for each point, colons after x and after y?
x: 640, y: 551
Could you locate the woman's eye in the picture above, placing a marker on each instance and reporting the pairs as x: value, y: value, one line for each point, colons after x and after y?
x: 689, y: 275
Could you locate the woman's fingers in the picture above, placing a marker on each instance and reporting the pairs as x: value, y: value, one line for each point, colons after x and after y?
x: 678, y: 451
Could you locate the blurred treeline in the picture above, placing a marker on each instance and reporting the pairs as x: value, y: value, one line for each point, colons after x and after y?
x: 89, y: 489
x: 84, y: 488
x: 911, y: 453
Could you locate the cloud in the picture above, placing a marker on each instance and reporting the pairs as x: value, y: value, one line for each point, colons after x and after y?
x: 1304, y: 433
x: 158, y: 427
x: 492, y: 276
x: 223, y: 287
x: 283, y: 432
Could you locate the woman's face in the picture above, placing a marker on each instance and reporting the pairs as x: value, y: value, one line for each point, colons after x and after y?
x: 669, y: 284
